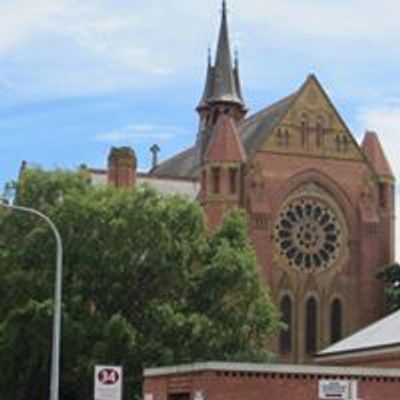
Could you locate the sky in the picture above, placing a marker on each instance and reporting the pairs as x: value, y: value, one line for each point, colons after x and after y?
x: 80, y: 76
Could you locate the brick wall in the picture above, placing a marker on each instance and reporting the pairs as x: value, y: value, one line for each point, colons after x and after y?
x: 300, y: 383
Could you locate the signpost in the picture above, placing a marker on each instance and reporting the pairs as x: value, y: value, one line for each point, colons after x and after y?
x: 107, y: 383
x: 338, y: 389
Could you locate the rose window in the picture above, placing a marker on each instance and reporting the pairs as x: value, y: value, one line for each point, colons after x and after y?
x: 308, y: 234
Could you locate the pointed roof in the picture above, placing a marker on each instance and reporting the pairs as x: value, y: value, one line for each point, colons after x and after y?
x: 381, y: 334
x: 225, y: 144
x: 222, y: 81
x: 209, y: 82
x: 252, y: 131
x: 373, y: 150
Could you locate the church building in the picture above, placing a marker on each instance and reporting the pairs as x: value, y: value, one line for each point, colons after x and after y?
x: 320, y: 205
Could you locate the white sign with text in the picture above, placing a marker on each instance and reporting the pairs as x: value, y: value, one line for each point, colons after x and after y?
x: 107, y: 383
x: 334, y: 389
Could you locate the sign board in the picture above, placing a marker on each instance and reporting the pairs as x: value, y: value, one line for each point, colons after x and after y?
x: 107, y: 383
x: 334, y: 389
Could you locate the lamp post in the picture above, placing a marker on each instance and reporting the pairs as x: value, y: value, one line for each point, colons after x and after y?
x: 55, y: 353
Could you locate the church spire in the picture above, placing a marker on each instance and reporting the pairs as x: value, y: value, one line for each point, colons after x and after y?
x: 222, y: 82
x: 222, y: 92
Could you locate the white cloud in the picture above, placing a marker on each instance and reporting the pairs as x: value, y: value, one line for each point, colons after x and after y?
x: 140, y: 132
x: 21, y: 21
x: 69, y: 47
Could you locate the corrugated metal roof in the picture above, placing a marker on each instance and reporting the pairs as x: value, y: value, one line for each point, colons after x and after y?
x: 385, y: 332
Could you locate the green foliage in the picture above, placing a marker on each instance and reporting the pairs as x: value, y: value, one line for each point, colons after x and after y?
x: 390, y: 275
x: 144, y: 285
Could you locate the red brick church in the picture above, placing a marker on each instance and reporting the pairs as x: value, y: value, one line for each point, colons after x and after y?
x: 320, y: 205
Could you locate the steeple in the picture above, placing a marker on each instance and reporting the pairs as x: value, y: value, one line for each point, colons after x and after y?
x: 222, y: 91
x: 222, y: 81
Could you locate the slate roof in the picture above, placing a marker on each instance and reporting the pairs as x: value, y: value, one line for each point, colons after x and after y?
x: 222, y: 82
x: 383, y: 333
x: 252, y: 131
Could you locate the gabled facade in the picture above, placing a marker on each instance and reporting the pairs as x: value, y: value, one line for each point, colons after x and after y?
x: 320, y: 206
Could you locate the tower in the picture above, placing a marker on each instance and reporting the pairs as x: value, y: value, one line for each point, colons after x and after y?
x: 222, y: 171
x: 222, y: 93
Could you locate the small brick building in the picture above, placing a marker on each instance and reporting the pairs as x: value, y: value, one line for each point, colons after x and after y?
x: 222, y: 381
x: 320, y: 204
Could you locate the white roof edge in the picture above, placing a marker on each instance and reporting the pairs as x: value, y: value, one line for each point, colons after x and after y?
x: 381, y: 333
x: 364, y: 352
x: 271, y: 368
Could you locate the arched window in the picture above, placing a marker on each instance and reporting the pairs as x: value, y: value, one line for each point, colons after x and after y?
x: 311, y: 325
x: 336, y: 320
x: 215, y: 116
x: 285, y: 338
x: 279, y: 137
x: 338, y: 143
x: 286, y: 138
x: 345, y: 142
x: 215, y: 177
x: 233, y: 180
x: 304, y: 130
x: 320, y: 132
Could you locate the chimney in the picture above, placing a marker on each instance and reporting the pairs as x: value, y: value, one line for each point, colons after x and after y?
x: 122, y: 167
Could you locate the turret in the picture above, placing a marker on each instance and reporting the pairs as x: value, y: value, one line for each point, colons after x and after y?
x: 222, y: 171
x: 385, y: 192
x: 222, y: 93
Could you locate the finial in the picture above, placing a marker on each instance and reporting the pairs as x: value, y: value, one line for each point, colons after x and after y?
x: 224, y: 7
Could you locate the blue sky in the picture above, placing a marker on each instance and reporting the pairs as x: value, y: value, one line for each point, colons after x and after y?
x: 78, y: 76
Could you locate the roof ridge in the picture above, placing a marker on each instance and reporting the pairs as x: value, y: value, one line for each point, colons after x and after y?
x: 269, y: 107
x: 173, y: 158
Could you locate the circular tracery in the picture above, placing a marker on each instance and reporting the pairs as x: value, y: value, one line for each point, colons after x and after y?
x: 308, y: 234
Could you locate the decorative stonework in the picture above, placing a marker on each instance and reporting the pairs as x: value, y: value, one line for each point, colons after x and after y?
x: 309, y: 232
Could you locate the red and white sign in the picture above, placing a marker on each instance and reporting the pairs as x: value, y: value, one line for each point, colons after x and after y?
x: 107, y: 383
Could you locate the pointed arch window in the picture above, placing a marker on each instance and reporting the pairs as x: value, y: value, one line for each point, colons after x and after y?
x: 215, y: 177
x: 304, y: 128
x: 233, y: 180
x: 286, y: 138
x: 279, y: 137
x: 285, y: 338
x: 311, y: 325
x: 215, y: 116
x: 320, y: 132
x: 336, y: 320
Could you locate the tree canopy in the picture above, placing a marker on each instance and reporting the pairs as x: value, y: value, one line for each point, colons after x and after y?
x: 144, y: 285
x: 390, y: 275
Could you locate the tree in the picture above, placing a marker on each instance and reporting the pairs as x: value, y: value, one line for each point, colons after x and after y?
x: 390, y: 275
x: 144, y: 285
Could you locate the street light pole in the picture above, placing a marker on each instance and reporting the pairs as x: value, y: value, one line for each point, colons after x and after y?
x: 55, y: 353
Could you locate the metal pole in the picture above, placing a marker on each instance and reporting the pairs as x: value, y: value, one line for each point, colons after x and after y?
x: 55, y: 353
